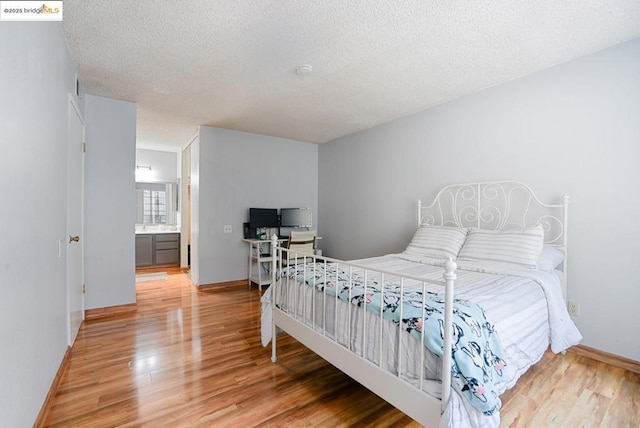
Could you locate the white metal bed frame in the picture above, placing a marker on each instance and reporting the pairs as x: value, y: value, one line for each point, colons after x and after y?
x: 488, y: 205
x: 499, y: 205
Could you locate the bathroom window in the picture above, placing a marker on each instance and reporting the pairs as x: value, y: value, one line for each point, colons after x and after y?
x: 156, y: 203
x: 154, y: 207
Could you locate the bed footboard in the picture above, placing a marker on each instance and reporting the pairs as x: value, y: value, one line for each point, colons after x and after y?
x: 358, y: 340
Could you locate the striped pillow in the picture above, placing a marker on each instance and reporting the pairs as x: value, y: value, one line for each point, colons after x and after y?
x: 440, y: 242
x: 518, y: 247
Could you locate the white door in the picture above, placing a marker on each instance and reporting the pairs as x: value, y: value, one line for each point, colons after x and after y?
x: 75, y: 180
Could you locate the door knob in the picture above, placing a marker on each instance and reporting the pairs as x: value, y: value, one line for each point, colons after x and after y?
x: 74, y: 238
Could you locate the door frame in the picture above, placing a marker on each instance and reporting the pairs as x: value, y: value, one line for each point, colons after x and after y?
x: 73, y: 108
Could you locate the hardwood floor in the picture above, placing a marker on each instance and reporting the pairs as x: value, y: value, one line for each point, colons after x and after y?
x: 191, y: 357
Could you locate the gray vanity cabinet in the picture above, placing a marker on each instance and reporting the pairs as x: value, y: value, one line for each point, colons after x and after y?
x: 157, y: 249
x: 144, y: 250
x: 167, y: 249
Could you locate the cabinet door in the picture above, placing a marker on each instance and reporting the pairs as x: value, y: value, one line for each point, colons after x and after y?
x: 165, y: 257
x: 144, y: 250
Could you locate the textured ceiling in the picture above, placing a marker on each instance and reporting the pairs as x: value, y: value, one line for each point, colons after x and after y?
x: 231, y: 63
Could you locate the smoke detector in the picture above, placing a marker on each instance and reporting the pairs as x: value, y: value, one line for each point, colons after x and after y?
x: 304, y: 69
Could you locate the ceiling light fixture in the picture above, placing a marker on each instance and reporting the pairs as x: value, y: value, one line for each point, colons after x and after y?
x: 304, y: 69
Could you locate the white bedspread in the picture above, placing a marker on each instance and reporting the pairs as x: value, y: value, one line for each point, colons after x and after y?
x: 525, y: 305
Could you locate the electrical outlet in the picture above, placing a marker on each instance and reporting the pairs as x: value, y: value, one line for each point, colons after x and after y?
x: 227, y: 228
x: 574, y: 309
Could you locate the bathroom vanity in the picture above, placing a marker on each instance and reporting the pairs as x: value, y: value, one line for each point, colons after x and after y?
x: 157, y: 248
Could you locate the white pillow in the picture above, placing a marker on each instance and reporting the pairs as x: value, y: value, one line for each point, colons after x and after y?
x: 518, y: 247
x: 440, y: 242
x: 550, y: 258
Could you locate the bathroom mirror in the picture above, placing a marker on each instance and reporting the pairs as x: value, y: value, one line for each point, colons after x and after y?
x: 156, y: 202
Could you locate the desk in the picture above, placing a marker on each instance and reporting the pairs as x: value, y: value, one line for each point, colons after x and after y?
x: 260, y: 253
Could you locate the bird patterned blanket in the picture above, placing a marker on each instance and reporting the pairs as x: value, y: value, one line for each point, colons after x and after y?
x: 476, y: 349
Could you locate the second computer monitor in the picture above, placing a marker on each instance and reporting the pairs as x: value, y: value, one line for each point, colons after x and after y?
x: 295, y: 217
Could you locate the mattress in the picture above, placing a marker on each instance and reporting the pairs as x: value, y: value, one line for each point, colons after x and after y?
x: 525, y: 306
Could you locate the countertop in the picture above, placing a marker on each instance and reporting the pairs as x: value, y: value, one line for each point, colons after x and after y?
x: 156, y: 231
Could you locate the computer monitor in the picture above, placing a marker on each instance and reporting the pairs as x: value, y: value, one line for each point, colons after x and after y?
x: 263, y: 217
x: 295, y: 217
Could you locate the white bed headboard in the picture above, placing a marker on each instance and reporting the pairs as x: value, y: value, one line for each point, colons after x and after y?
x: 500, y: 205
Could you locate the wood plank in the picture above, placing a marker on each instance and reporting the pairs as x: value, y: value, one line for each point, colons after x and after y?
x: 193, y: 357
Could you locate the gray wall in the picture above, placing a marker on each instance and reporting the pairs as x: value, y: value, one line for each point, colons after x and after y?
x: 237, y: 171
x: 194, y: 210
x: 574, y: 128
x: 109, y: 204
x: 164, y: 165
x: 37, y: 76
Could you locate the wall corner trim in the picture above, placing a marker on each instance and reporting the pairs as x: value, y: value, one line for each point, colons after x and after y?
x: 53, y: 389
x: 109, y: 311
x: 607, y: 358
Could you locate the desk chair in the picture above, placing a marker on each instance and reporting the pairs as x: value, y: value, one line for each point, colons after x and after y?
x: 301, y: 243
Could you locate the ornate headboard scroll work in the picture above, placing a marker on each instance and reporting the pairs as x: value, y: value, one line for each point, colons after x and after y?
x: 502, y: 205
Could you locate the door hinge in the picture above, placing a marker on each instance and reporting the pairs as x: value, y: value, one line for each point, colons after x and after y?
x: 84, y: 147
x: 84, y: 288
